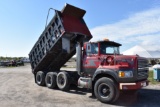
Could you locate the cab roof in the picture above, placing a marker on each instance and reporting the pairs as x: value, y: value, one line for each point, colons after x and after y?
x: 109, y: 43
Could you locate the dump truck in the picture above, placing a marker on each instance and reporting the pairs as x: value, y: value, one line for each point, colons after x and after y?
x: 100, y: 66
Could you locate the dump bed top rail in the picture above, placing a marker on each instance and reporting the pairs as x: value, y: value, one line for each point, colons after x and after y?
x: 57, y: 44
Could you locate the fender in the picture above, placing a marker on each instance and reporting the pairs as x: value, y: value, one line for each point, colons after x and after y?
x: 110, y: 72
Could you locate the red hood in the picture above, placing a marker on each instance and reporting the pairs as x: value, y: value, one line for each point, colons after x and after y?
x: 128, y: 57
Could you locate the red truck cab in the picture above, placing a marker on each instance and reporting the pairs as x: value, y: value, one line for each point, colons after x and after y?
x: 102, y: 61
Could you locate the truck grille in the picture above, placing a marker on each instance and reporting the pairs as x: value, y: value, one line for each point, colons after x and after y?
x: 143, y: 69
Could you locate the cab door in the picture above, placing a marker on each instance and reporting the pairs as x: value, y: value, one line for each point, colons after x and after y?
x: 90, y: 59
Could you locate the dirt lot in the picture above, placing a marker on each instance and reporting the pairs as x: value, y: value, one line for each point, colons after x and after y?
x: 18, y: 89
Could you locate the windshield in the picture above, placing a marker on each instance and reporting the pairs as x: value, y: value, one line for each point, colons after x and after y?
x: 108, y: 49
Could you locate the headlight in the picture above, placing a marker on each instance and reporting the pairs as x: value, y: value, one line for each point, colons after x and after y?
x: 125, y: 74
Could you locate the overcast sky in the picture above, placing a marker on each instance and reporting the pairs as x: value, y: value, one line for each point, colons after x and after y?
x: 129, y: 22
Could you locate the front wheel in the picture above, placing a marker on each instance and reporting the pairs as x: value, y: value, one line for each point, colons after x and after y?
x: 105, y: 90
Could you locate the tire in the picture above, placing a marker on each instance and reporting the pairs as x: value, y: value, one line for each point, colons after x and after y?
x: 40, y: 78
x: 105, y: 90
x: 50, y: 80
x: 63, y: 81
x: 117, y: 93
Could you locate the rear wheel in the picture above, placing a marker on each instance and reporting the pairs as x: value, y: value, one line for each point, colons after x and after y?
x: 63, y: 81
x: 40, y: 78
x: 50, y: 80
x: 105, y: 90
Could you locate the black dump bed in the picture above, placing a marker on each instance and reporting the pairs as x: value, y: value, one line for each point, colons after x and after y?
x: 57, y: 44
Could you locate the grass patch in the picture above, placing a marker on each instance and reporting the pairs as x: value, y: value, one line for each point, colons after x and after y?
x: 150, y: 78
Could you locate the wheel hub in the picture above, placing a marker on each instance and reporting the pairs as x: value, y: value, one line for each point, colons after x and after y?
x: 104, y: 90
x: 49, y: 80
x: 38, y: 78
x: 61, y: 80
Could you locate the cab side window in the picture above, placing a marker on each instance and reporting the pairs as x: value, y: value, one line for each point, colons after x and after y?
x: 94, y: 48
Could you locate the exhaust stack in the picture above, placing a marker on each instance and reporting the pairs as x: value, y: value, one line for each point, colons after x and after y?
x: 79, y: 58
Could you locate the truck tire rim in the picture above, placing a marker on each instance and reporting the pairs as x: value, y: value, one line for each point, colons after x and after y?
x: 104, y: 90
x: 39, y: 78
x: 49, y: 80
x: 61, y: 80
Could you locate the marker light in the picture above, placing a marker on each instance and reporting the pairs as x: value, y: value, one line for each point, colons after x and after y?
x: 125, y: 74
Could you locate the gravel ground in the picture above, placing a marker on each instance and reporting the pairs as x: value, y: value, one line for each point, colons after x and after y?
x: 18, y: 89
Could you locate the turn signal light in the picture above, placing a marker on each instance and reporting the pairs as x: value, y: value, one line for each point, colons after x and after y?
x: 126, y: 74
x: 121, y: 74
